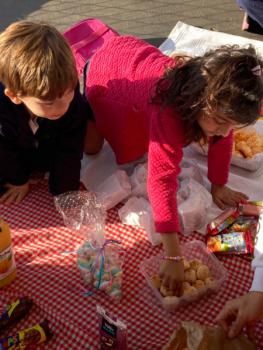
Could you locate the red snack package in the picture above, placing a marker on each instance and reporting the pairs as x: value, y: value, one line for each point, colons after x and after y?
x: 222, y: 221
x: 231, y: 243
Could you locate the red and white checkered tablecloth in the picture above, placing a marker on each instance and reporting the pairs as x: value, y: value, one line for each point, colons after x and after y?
x: 53, y: 281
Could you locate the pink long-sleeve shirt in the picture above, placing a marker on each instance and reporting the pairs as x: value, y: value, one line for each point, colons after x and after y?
x: 120, y: 83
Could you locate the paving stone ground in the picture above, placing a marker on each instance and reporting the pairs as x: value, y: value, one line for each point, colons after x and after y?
x: 148, y: 19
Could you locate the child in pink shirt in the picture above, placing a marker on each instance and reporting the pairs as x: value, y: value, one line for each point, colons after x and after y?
x: 144, y: 101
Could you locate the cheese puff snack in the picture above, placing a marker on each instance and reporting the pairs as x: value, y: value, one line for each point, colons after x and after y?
x: 197, y: 276
x: 247, y: 143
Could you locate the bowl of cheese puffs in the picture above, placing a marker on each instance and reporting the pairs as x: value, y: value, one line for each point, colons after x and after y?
x: 203, y: 274
x: 247, y: 150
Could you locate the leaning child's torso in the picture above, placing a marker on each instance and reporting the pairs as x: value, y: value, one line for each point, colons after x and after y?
x: 126, y: 69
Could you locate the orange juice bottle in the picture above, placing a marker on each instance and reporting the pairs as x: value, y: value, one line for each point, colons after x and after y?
x: 7, y: 261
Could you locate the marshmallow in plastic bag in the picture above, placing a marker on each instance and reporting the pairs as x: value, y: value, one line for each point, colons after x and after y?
x: 192, y: 211
x: 139, y: 180
x: 101, y: 266
x: 114, y: 189
x: 137, y: 212
x: 99, y: 260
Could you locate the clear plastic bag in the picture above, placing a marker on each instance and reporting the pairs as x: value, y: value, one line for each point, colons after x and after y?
x: 190, y: 170
x: 137, y: 212
x: 194, y: 202
x: 99, y: 260
x: 114, y: 189
x: 139, y: 180
x: 81, y: 210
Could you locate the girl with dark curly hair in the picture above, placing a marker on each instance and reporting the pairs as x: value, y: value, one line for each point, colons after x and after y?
x: 144, y: 101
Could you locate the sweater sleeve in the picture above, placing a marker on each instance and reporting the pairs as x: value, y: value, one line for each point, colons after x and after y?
x: 219, y: 158
x: 165, y: 155
x: 257, y: 263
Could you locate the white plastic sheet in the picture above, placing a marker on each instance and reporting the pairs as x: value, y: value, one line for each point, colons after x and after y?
x: 195, y: 41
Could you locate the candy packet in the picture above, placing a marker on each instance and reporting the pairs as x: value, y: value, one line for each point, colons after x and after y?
x: 246, y: 223
x: 223, y: 221
x: 113, y: 332
x: 231, y: 243
x: 27, y: 338
x: 15, y: 312
x: 251, y: 208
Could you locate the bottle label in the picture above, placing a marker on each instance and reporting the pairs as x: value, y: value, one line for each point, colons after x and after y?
x: 7, y: 262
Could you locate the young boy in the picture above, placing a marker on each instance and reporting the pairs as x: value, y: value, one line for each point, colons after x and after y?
x: 43, y: 116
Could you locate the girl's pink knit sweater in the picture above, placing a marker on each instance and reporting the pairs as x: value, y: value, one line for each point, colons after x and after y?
x: 120, y: 83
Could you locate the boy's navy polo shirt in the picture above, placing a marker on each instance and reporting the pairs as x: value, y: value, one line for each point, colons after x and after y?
x: 57, y: 145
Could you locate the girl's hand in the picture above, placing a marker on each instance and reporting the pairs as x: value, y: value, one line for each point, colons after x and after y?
x: 172, y: 275
x: 14, y: 194
x: 240, y: 312
x: 224, y: 197
x: 172, y: 272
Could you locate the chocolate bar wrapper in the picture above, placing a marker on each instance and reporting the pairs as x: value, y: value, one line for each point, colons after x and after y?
x: 222, y: 221
x: 231, y: 243
x: 27, y: 337
x: 15, y: 312
x: 8, y: 343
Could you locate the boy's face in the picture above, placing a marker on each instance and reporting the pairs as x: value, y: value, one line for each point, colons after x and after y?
x: 42, y: 108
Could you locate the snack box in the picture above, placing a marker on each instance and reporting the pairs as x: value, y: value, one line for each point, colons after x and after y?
x: 251, y: 164
x: 195, y: 250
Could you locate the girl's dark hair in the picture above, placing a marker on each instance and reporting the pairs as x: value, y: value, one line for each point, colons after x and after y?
x: 221, y: 80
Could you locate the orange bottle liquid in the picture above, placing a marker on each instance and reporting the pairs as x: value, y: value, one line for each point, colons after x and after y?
x: 7, y: 261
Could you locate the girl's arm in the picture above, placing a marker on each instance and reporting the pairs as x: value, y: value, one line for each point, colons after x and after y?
x: 165, y: 155
x: 219, y: 158
x: 172, y: 272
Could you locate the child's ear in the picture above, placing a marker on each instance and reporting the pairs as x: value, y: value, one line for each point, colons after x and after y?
x: 13, y: 97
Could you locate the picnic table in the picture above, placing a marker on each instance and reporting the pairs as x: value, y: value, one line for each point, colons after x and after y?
x: 51, y: 278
